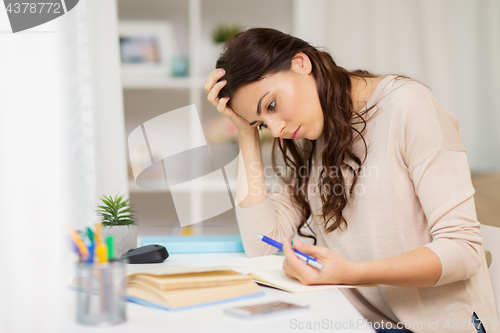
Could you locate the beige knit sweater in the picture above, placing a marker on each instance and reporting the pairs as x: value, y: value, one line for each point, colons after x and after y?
x: 414, y: 190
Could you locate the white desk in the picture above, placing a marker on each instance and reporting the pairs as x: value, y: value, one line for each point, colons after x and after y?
x: 329, y: 310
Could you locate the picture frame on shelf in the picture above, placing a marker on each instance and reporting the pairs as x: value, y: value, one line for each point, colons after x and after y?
x: 147, y: 48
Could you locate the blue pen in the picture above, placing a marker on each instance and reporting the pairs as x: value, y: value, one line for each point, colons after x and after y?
x: 307, y: 258
x: 77, y: 251
x: 90, y: 258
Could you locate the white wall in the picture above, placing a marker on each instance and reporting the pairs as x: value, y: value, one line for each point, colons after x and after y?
x: 62, y: 144
x: 109, y: 120
x: 453, y: 46
x: 32, y: 146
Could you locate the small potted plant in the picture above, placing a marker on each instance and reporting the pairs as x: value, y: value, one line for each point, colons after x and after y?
x: 222, y: 32
x: 118, y: 219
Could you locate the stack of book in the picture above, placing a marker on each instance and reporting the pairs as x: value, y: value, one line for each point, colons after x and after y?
x: 182, y: 286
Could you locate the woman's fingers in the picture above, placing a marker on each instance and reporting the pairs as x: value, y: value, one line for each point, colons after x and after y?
x: 213, y: 87
x: 290, y: 254
x: 292, y: 264
x: 212, y: 78
x: 312, y: 250
x: 214, y: 93
x: 296, y: 268
x: 222, y: 104
x: 290, y: 270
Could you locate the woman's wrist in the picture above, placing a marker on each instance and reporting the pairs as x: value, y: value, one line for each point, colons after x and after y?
x: 356, y: 272
x: 420, y: 267
x: 244, y: 134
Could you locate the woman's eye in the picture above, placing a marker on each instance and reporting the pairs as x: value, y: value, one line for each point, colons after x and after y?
x: 262, y: 125
x: 272, y: 105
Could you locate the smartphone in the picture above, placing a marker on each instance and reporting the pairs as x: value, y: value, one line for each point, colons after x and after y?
x: 264, y: 309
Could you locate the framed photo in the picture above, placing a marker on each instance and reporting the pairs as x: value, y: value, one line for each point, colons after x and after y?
x: 146, y: 47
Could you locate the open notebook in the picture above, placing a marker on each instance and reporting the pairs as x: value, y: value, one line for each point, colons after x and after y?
x: 182, y: 286
x: 267, y: 270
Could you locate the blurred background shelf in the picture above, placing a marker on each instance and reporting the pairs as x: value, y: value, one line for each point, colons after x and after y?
x: 206, y: 187
x: 146, y: 96
x: 156, y: 82
x: 209, y: 186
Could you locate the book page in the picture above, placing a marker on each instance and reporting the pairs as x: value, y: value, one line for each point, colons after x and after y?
x: 277, y: 279
x: 250, y: 265
x: 188, y: 297
x: 268, y: 270
x: 191, y: 280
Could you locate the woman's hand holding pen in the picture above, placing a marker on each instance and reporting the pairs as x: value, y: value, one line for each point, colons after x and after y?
x: 213, y: 88
x: 336, y: 268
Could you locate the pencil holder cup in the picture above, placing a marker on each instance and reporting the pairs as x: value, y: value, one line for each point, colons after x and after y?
x: 101, y: 293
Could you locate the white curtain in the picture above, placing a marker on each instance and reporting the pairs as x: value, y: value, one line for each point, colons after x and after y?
x: 62, y: 145
x: 453, y: 46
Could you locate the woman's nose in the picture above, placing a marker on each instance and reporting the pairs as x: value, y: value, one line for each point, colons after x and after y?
x: 276, y: 127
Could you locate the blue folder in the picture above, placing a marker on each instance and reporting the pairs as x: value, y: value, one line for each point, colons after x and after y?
x: 196, y: 243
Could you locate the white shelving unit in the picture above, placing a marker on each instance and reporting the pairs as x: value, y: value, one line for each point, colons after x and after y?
x: 145, y: 82
x: 207, y: 186
x: 193, y: 21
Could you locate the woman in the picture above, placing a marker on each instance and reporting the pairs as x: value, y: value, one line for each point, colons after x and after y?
x: 376, y: 172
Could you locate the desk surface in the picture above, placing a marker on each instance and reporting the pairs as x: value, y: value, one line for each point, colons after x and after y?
x: 329, y: 310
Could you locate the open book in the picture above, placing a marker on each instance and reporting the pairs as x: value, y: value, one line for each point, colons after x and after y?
x: 181, y: 286
x: 267, y: 270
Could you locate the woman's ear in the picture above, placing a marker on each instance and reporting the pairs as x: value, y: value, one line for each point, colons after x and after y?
x: 301, y: 63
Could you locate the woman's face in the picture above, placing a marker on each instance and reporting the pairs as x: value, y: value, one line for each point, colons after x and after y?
x: 287, y: 102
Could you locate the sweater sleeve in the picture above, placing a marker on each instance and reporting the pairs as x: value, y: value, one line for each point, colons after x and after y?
x: 438, y: 167
x: 276, y: 217
x: 443, y: 185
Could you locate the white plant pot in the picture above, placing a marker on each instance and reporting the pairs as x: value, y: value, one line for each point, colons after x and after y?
x: 125, y: 237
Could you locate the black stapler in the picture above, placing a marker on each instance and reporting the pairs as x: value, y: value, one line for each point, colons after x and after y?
x: 149, y: 254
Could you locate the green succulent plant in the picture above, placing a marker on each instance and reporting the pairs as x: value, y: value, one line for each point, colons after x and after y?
x: 222, y: 32
x: 116, y: 211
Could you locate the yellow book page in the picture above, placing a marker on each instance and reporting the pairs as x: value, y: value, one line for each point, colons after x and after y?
x: 191, y: 280
x: 187, y: 297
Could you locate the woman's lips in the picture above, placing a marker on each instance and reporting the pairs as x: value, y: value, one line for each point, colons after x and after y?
x: 295, y: 134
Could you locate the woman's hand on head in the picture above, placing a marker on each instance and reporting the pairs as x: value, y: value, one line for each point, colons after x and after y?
x: 336, y: 269
x: 213, y: 88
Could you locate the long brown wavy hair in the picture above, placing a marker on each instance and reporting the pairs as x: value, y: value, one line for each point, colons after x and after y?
x: 249, y: 56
